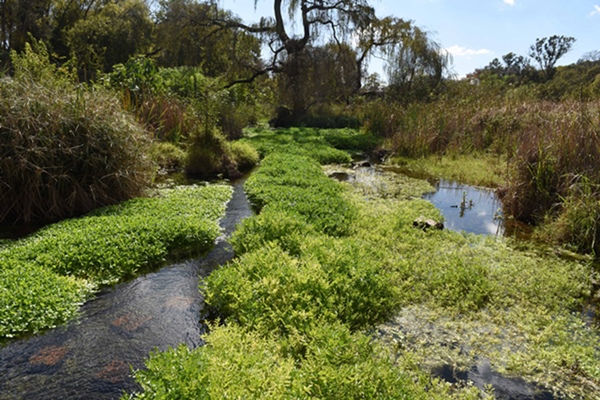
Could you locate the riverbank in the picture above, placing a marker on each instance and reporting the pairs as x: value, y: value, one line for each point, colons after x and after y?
x: 330, y: 291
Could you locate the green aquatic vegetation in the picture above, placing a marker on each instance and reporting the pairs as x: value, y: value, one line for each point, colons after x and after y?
x: 240, y: 364
x: 474, y: 169
x: 33, y: 298
x: 341, y: 306
x: 380, y: 182
x: 306, y: 142
x: 47, y: 275
x: 556, y: 351
x: 467, y: 297
x: 296, y: 184
x: 118, y: 241
x: 332, y: 279
x: 287, y: 230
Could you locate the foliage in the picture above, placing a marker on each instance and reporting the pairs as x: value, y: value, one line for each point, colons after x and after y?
x: 416, y: 68
x: 64, y: 150
x: 208, y: 153
x: 46, y: 275
x: 237, y: 363
x: 297, y: 185
x: 186, y: 37
x: 244, y: 155
x: 33, y: 298
x: 547, y: 51
x: 110, y: 35
x: 168, y: 156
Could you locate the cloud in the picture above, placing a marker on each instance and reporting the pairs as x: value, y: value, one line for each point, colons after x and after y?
x: 458, y: 51
x: 509, y: 2
x: 596, y: 10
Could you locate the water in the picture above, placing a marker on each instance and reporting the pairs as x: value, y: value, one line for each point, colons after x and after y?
x: 92, y: 357
x: 468, y: 208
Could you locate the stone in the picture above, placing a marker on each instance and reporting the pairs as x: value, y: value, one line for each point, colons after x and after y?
x: 427, y: 223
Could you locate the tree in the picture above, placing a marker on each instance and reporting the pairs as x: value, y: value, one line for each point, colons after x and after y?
x: 20, y: 20
x: 416, y: 67
x: 110, y: 35
x: 547, y: 51
x: 185, y: 36
x: 379, y: 38
x: 320, y: 20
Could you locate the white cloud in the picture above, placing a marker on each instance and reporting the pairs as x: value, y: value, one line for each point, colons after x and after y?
x: 596, y: 10
x: 459, y: 51
x: 509, y: 2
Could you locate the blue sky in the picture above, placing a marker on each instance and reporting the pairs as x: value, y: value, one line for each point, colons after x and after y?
x: 477, y: 31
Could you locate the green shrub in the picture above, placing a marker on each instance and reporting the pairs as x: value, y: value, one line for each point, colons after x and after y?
x: 244, y: 155
x: 208, y: 153
x: 65, y: 150
x: 168, y: 156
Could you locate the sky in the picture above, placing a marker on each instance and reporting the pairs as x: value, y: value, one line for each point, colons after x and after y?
x: 477, y: 31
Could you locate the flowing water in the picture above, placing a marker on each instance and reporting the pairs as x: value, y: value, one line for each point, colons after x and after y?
x: 92, y: 357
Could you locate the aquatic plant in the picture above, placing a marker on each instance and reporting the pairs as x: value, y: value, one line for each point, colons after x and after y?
x: 48, y: 274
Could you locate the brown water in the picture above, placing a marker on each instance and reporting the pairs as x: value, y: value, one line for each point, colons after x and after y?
x: 92, y: 357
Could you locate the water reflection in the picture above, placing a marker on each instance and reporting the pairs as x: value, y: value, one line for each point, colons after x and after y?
x: 468, y: 208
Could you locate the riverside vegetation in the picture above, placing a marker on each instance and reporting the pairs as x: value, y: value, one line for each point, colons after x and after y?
x: 334, y: 294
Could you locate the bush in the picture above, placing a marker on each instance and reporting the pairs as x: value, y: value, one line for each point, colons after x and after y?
x: 64, y: 150
x: 168, y: 156
x: 244, y: 155
x: 208, y: 153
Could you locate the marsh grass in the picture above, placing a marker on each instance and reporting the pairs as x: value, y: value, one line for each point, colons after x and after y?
x: 540, y: 147
x: 64, y: 149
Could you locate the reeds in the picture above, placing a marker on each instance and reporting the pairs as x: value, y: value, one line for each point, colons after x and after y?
x: 65, y: 151
x: 546, y: 144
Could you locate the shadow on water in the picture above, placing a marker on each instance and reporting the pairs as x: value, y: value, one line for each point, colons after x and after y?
x: 92, y: 357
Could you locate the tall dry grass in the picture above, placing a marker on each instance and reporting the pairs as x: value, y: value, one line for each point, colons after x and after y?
x: 551, y: 149
x: 65, y: 151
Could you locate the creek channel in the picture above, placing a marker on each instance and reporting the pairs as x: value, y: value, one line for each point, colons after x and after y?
x: 92, y: 357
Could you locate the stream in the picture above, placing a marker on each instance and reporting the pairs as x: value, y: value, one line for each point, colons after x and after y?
x: 92, y: 357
